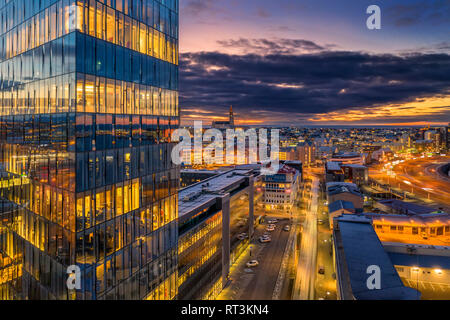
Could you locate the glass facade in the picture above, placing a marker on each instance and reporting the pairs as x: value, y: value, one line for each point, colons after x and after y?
x: 239, y: 223
x: 88, y: 101
x: 200, y: 255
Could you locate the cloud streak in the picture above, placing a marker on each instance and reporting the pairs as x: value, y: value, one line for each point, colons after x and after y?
x: 306, y: 85
x: 434, y: 12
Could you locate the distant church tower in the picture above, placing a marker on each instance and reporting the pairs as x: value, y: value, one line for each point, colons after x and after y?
x: 231, y: 117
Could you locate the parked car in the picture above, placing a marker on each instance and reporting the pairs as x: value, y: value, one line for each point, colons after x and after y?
x: 320, y: 221
x: 252, y: 263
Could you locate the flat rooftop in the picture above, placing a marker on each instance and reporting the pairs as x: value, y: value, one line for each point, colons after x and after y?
x: 201, y: 171
x: 361, y: 248
x: 333, y: 166
x: 201, y: 193
x: 406, y: 207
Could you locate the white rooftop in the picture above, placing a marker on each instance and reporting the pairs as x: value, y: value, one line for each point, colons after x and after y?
x: 201, y: 193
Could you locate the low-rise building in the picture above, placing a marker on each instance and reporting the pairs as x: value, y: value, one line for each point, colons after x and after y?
x: 347, y: 192
x: 334, y: 172
x: 338, y: 208
x: 432, y: 229
x: 348, y: 158
x: 426, y: 267
x: 356, y: 173
x: 280, y: 189
x: 358, y: 254
x: 395, y: 206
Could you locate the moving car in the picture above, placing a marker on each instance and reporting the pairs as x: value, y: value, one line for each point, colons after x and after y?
x: 321, y: 270
x: 252, y: 263
x: 270, y: 228
x: 265, y: 239
x: 242, y: 236
x: 287, y: 228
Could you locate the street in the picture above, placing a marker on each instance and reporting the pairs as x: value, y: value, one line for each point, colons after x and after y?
x: 306, y: 270
x: 421, y: 178
x: 258, y: 283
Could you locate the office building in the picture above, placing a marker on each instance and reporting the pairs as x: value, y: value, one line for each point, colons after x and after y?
x: 214, y: 215
x: 88, y: 95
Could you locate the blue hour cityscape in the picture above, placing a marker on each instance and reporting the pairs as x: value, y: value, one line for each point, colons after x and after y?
x: 247, y: 151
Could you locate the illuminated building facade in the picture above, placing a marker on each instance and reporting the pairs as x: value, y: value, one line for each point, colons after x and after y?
x: 88, y: 100
x: 348, y: 158
x: 430, y: 229
x: 447, y: 137
x: 215, y: 223
x: 280, y: 189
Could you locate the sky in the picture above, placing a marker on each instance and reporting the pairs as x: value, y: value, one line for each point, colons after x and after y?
x: 314, y: 62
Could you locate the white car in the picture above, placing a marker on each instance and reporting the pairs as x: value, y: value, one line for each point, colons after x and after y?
x: 287, y: 228
x: 272, y: 221
x: 270, y: 228
x: 252, y: 263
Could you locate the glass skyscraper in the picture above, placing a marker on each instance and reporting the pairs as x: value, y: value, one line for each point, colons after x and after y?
x: 88, y: 101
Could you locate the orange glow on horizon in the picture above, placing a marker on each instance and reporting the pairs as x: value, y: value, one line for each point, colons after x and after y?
x: 412, y: 113
x: 418, y: 108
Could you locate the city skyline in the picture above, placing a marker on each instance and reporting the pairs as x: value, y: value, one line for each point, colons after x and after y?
x: 317, y: 166
x: 315, y: 62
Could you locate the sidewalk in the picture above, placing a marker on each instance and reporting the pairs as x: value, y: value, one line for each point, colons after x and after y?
x: 239, y: 278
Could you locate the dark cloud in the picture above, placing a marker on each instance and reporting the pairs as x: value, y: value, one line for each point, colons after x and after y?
x: 312, y: 83
x: 197, y: 7
x: 273, y: 46
x: 262, y: 13
x: 431, y: 12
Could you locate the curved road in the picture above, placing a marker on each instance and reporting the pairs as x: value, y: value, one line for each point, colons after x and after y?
x: 421, y: 177
x: 425, y: 179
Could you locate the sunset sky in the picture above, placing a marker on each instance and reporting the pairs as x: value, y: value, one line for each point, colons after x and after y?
x: 314, y: 62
